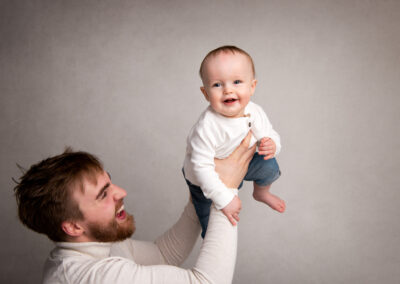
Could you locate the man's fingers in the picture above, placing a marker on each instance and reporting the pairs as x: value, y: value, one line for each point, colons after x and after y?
x: 243, y: 149
x: 243, y: 146
x: 249, y: 153
x: 236, y: 217
x: 246, y: 141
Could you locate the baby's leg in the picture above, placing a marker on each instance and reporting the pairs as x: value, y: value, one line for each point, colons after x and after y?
x: 262, y: 194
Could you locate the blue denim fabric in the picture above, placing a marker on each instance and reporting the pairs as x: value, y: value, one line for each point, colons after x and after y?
x: 201, y: 204
x: 262, y: 172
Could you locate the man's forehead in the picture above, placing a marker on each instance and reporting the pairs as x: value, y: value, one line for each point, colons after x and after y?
x: 90, y: 181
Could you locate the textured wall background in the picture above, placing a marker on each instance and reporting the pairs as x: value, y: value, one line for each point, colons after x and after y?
x: 119, y: 79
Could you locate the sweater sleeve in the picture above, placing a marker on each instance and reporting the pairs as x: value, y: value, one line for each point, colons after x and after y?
x: 215, y: 263
x: 172, y: 248
x: 202, y: 142
x: 176, y: 244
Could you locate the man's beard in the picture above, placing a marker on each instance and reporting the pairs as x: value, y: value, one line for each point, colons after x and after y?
x: 113, y: 231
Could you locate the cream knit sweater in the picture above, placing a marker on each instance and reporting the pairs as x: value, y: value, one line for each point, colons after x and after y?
x: 133, y: 261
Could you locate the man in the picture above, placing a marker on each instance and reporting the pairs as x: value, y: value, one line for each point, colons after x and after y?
x: 71, y: 199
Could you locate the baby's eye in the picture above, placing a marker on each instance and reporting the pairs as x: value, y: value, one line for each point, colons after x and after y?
x: 237, y: 82
x: 216, y: 85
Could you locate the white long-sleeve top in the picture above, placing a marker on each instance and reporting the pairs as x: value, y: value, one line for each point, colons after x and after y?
x: 133, y: 261
x: 217, y: 136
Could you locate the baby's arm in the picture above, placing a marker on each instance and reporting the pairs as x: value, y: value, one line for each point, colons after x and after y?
x: 202, y: 140
x: 267, y: 148
x: 231, y: 211
x: 270, y: 142
x: 202, y: 143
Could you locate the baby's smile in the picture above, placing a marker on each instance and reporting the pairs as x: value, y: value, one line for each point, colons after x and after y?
x: 230, y: 101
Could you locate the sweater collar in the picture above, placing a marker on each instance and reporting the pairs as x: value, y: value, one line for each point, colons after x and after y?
x: 94, y: 249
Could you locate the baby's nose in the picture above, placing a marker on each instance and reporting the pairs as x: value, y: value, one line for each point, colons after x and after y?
x: 227, y: 89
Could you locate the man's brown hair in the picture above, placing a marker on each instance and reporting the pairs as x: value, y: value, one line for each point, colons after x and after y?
x: 226, y: 48
x: 44, y: 192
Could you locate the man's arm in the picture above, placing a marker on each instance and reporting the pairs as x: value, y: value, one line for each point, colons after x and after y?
x: 172, y: 248
x: 215, y: 264
x: 176, y: 244
x: 217, y: 257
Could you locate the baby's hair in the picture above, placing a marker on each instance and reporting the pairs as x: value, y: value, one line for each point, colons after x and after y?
x: 226, y: 48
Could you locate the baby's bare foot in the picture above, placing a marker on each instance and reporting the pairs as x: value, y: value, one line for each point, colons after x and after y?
x: 271, y: 200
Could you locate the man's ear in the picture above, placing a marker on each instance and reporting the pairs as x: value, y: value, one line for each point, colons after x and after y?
x: 72, y: 229
x: 203, y: 90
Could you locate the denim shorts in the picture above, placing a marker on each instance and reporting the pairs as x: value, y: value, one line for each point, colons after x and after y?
x: 262, y: 172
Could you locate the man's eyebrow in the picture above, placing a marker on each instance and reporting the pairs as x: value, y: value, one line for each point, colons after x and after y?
x: 107, y: 185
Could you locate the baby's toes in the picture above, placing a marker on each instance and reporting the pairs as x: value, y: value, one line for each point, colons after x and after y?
x: 282, y: 206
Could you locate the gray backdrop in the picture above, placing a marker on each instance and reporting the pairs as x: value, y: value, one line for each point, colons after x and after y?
x: 119, y: 79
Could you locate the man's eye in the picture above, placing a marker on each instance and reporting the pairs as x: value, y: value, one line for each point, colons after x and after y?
x: 217, y: 85
x: 104, y: 195
x: 237, y: 82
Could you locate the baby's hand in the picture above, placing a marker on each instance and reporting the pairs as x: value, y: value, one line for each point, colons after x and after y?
x: 232, y: 210
x: 267, y: 147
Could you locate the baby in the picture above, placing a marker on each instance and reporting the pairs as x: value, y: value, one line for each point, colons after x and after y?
x: 228, y: 77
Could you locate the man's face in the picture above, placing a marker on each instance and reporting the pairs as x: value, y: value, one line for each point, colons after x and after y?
x: 228, y: 83
x: 101, y: 204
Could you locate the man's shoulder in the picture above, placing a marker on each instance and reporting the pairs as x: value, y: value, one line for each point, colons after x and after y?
x: 73, y: 266
x: 61, y: 263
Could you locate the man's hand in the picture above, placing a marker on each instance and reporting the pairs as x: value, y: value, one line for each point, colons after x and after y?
x: 267, y: 147
x: 232, y: 169
x: 232, y: 210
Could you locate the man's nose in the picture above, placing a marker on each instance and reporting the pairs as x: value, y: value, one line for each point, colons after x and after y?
x: 118, y: 193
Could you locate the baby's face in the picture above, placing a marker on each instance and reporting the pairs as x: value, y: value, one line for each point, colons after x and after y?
x: 228, y: 83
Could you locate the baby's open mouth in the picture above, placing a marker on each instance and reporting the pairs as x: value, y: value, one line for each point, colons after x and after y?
x: 230, y: 100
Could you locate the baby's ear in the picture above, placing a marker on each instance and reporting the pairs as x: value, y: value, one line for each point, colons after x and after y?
x: 203, y: 90
x: 253, y: 86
